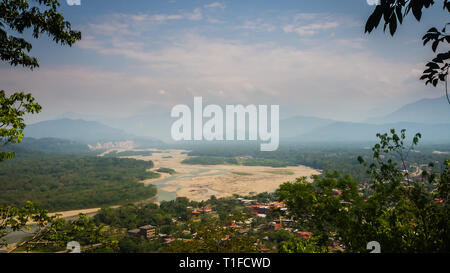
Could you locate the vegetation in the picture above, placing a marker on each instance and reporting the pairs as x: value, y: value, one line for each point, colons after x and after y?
x: 59, y: 182
x: 17, y: 17
x: 129, y: 153
x: 281, y: 172
x: 210, y: 160
x: 393, y: 12
x: 242, y: 173
x: 166, y: 170
x: 403, y: 215
x: 51, y: 233
x: 328, y: 158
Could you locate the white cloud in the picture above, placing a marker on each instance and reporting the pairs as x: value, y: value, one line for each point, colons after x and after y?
x: 196, y: 15
x: 330, y: 79
x: 215, y: 5
x: 317, y: 80
x: 257, y: 25
x: 310, y: 29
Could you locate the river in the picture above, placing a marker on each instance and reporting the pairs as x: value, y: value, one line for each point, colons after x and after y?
x: 164, y: 195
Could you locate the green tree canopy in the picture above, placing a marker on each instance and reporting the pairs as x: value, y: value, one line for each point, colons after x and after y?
x: 392, y: 12
x: 402, y: 214
x: 17, y: 16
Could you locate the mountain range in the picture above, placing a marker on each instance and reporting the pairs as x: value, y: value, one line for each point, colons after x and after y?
x: 430, y: 117
x: 82, y: 131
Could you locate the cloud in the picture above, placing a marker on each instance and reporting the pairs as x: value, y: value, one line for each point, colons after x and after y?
x: 327, y: 79
x: 308, y: 24
x: 257, y: 25
x: 215, y: 5
x: 196, y: 15
x: 310, y: 29
x: 331, y: 80
x: 121, y: 21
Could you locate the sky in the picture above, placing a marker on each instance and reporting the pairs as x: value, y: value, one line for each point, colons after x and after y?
x: 310, y: 57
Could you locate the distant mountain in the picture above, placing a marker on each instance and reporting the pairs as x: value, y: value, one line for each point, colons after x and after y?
x: 86, y: 132
x: 157, y: 125
x: 432, y: 111
x: 362, y: 132
x: 298, y: 125
x: 75, y: 129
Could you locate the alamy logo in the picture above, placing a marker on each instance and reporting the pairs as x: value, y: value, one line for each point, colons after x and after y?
x: 73, y: 2
x: 374, y: 246
x: 73, y: 247
x: 373, y: 2
x: 236, y: 126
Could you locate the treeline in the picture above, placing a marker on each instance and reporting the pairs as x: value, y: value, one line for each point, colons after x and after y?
x: 48, y: 145
x: 210, y: 160
x: 342, y: 158
x: 166, y: 170
x: 129, y: 153
x: 62, y: 182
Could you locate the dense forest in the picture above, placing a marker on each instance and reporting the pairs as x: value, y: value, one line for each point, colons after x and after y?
x: 342, y: 158
x: 63, y: 182
x: 129, y: 153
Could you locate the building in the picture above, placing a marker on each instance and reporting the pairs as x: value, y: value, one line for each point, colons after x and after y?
x: 259, y: 209
x: 276, y: 226
x: 304, y: 234
x: 134, y: 232
x: 202, y: 210
x: 148, y: 231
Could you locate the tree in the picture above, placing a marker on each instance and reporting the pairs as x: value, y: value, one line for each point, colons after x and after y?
x: 402, y: 213
x: 393, y: 12
x: 215, y: 237
x: 50, y: 231
x: 42, y: 17
x: 12, y: 110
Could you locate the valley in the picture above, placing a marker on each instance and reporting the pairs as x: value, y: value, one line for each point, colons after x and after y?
x: 200, y: 182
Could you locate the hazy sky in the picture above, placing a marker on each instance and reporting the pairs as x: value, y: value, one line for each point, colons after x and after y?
x: 310, y: 57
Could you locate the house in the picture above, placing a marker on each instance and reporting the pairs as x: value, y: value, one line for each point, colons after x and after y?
x: 169, y: 240
x: 337, y: 192
x: 134, y: 232
x: 304, y: 234
x: 276, y: 226
x: 259, y: 209
x: 204, y: 209
x: 148, y: 231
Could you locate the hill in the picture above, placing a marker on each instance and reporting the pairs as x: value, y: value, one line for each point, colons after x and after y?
x: 363, y: 132
x: 433, y: 111
x: 85, y: 132
x: 294, y: 126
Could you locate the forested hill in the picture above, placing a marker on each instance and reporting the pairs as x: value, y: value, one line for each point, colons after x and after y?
x: 78, y: 130
x: 49, y: 145
x: 65, y: 182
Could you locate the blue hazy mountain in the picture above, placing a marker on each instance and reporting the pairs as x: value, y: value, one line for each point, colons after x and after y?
x: 297, y: 125
x: 75, y: 129
x: 430, y: 117
x: 361, y: 132
x: 88, y: 132
x: 430, y: 111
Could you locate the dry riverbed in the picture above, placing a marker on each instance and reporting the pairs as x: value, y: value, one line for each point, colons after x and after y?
x: 199, y: 182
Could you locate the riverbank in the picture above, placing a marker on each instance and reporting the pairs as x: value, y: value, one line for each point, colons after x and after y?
x: 200, y: 182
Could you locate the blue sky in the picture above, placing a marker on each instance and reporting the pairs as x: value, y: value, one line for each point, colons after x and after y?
x: 310, y: 57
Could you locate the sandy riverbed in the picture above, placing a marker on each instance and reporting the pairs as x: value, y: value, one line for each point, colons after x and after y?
x: 233, y: 179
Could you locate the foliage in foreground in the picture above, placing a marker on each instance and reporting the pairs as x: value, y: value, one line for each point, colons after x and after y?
x: 49, y: 231
x: 402, y: 214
